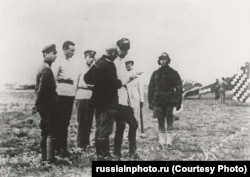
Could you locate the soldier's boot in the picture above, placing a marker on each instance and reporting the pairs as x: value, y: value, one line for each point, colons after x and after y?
x: 43, y: 148
x: 169, y: 137
x: 106, y: 148
x: 117, y: 150
x: 102, y: 150
x: 98, y: 148
x: 132, y: 150
x: 50, y: 149
x: 64, y: 150
x: 117, y: 147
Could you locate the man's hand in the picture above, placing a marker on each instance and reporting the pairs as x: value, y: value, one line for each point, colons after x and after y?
x: 178, y: 107
x: 132, y: 78
x: 135, y: 76
x: 34, y: 110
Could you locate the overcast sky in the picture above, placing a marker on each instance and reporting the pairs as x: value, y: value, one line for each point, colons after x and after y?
x: 205, y: 39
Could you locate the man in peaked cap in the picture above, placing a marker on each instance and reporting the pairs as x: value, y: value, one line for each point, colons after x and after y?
x: 90, y: 53
x: 123, y: 44
x: 46, y: 103
x: 165, y: 93
x: 85, y: 109
x: 103, y: 76
x: 125, y: 108
x: 49, y: 48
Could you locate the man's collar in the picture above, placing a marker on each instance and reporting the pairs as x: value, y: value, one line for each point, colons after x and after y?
x: 46, y: 65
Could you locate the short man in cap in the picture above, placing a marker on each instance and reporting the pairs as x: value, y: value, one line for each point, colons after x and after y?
x: 85, y: 109
x: 135, y: 90
x: 125, y: 108
x: 105, y: 99
x: 66, y: 91
x: 165, y: 93
x: 47, y: 102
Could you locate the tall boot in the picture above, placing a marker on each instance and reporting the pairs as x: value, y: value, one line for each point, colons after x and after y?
x: 106, y: 148
x: 64, y: 150
x: 50, y: 149
x: 162, y: 138
x: 132, y: 147
x: 99, y: 149
x: 102, y: 149
x: 43, y: 148
x: 169, y: 137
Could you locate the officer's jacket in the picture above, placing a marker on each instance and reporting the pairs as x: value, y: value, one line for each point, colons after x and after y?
x: 45, y: 87
x: 103, y: 76
x: 165, y: 87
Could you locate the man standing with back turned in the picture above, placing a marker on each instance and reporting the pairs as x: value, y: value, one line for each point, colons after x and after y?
x: 105, y: 99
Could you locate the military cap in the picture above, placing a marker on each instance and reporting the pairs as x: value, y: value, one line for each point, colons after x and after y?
x: 112, y: 51
x: 129, y: 61
x: 90, y: 53
x: 123, y: 44
x: 164, y: 55
x: 49, y: 48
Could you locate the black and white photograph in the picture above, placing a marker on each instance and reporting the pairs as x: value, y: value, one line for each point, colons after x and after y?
x: 111, y: 80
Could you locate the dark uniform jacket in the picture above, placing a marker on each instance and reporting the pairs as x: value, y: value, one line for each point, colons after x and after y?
x: 165, y: 87
x: 104, y: 78
x: 45, y: 88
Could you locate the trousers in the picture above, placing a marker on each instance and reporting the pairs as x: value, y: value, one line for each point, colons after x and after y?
x: 125, y: 115
x: 85, y: 113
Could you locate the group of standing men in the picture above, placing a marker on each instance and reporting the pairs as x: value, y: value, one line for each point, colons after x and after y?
x: 104, y: 86
x: 108, y: 87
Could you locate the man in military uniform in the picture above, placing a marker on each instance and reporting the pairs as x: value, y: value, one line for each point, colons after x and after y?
x: 125, y: 108
x: 46, y: 103
x: 105, y: 99
x: 85, y: 110
x: 165, y: 93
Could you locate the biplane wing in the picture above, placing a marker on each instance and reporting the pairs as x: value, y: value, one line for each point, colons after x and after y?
x: 198, y: 91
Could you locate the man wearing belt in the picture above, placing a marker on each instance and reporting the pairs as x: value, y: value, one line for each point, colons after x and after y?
x: 85, y: 109
x: 165, y: 93
x: 66, y: 93
x: 125, y: 107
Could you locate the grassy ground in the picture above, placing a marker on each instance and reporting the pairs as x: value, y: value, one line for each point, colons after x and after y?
x: 206, y: 130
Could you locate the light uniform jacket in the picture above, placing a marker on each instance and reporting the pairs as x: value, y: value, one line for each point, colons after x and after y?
x: 123, y: 75
x: 136, y: 93
x: 65, y: 71
x: 83, y: 91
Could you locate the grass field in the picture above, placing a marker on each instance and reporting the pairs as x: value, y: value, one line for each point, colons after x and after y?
x: 206, y: 130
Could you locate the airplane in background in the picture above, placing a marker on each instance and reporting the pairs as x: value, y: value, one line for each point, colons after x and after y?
x: 239, y: 83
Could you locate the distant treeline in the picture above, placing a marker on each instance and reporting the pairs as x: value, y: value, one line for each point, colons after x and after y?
x: 19, y: 86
